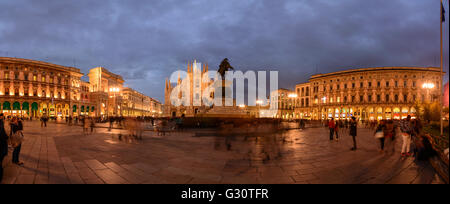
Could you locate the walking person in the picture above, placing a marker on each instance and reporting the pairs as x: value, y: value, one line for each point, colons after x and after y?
x: 353, y: 132
x: 111, y: 120
x: 390, y: 135
x: 92, y: 125
x: 331, y: 126
x: 16, y: 139
x: 380, y: 134
x: 405, y: 126
x: 85, y: 125
x: 415, y: 135
x: 336, y: 130
x: 45, y: 121
x: 3, y: 144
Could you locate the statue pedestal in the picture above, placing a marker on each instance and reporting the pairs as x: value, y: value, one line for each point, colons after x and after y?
x: 228, y: 106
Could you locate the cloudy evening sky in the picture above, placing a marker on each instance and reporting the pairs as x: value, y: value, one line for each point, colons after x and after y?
x: 145, y: 41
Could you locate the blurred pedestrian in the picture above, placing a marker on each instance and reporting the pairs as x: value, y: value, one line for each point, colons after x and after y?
x: 336, y: 130
x: 405, y: 126
x: 380, y: 134
x: 353, y: 132
x: 390, y: 135
x: 16, y: 137
x: 92, y: 125
x: 86, y: 124
x: 111, y: 121
x: 3, y: 144
x: 331, y: 126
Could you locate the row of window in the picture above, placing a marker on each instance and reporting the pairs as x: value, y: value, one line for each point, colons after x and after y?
x: 43, y: 94
x: 35, y: 78
x: 33, y: 71
x: 370, y: 77
x: 361, y: 85
x: 303, y: 91
x: 370, y: 99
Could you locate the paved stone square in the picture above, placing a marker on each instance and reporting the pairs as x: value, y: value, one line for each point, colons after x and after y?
x: 61, y: 154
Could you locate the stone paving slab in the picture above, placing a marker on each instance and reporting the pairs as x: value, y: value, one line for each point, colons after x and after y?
x: 61, y: 154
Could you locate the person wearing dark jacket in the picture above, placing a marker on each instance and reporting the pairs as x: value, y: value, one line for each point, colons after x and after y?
x: 353, y: 132
x: 16, y: 128
x: 3, y: 144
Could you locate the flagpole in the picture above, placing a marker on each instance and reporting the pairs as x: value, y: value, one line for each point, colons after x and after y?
x: 441, y: 75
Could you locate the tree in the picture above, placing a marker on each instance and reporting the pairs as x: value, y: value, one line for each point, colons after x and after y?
x: 428, y: 111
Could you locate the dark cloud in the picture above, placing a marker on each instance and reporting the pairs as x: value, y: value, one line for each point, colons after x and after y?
x: 145, y: 41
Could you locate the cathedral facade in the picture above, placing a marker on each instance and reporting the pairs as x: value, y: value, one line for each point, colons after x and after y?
x: 192, y: 87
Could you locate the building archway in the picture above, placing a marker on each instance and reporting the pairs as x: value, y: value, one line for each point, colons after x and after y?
x: 74, y: 110
x: 66, y: 110
x: 6, y: 108
x: 44, y: 109
x: 405, y: 112
x: 388, y: 113
x: 34, y: 109
x: 397, y: 113
x: 59, y: 111
x: 16, y: 108
x: 413, y: 112
x: 26, y: 109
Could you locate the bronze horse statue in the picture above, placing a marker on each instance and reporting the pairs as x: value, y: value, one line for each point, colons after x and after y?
x: 224, y: 67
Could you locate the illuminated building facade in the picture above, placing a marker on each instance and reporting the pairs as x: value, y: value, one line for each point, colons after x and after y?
x: 197, y: 85
x: 137, y: 104
x: 34, y: 88
x: 285, y: 100
x: 30, y: 88
x: 105, y: 88
x: 368, y: 94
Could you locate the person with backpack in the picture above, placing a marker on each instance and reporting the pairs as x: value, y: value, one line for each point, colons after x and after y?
x: 3, y: 144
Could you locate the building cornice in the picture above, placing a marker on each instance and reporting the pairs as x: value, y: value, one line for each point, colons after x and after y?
x: 376, y: 69
x: 39, y: 63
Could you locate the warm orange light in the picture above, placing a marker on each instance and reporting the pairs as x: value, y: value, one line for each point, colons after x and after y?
x: 292, y: 95
x: 428, y: 86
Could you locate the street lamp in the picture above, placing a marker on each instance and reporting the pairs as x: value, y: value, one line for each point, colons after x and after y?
x: 114, y: 90
x: 428, y: 86
x: 259, y: 103
x: 293, y: 96
x: 324, y: 99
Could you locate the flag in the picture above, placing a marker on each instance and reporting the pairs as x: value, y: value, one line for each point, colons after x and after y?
x: 443, y: 12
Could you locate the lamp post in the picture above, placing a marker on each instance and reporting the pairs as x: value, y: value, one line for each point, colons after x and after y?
x: 322, y: 100
x: 428, y: 86
x: 259, y: 103
x: 293, y: 96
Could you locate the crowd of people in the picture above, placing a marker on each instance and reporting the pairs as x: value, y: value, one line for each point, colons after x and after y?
x: 387, y: 133
x: 341, y: 127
